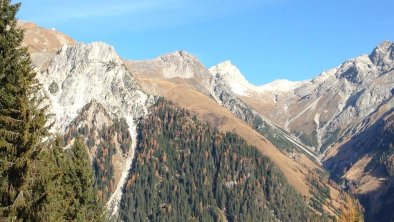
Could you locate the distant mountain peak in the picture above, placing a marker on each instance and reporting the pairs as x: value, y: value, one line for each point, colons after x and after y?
x: 229, y: 73
x: 357, y: 69
x: 226, y: 63
x: 385, y: 45
x: 184, y: 65
x: 227, y: 68
x: 383, y: 56
x: 180, y: 54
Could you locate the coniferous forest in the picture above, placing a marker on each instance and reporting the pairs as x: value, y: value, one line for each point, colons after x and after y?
x: 187, y: 170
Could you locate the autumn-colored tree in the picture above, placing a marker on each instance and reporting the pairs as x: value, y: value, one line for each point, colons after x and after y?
x: 352, y: 212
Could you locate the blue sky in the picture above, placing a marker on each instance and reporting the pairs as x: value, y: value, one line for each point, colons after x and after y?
x: 266, y: 39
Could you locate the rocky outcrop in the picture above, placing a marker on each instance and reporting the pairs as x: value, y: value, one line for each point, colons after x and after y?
x: 78, y: 74
x: 383, y: 56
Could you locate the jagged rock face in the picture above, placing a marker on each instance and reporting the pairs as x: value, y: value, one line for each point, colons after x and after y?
x: 352, y: 91
x: 79, y: 74
x: 230, y: 101
x: 383, y: 56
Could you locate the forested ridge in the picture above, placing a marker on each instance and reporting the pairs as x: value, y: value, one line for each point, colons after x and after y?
x: 187, y: 170
x: 103, y: 141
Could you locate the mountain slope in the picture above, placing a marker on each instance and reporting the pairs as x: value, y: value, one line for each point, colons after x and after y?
x: 43, y: 40
x: 365, y: 163
x: 187, y: 169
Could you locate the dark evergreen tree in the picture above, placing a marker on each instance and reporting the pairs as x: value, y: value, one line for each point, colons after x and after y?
x: 23, y: 122
x: 64, y: 185
x: 53, y: 185
x: 85, y: 206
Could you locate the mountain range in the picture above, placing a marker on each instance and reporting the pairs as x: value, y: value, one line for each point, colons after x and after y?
x: 329, y: 136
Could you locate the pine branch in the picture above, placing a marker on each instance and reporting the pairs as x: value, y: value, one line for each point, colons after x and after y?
x: 9, y: 134
x: 6, y: 146
x: 7, y: 120
x: 10, y: 111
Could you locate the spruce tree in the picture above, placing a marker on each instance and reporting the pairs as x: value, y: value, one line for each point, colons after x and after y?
x: 86, y: 206
x: 52, y: 186
x: 23, y: 122
x: 64, y: 185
